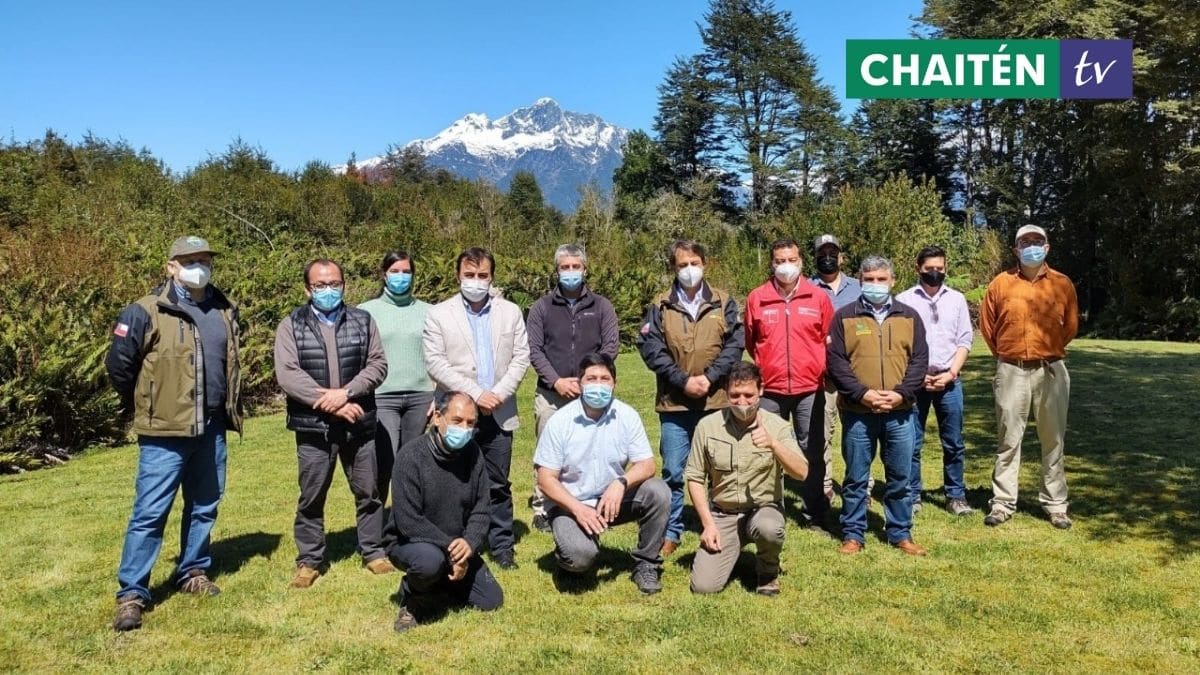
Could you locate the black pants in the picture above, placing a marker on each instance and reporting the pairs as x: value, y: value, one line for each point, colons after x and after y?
x: 317, y: 454
x: 427, y: 570
x: 807, y: 414
x: 400, y: 417
x: 496, y: 445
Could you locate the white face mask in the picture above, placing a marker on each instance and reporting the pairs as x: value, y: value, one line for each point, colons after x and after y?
x: 690, y: 276
x: 787, y: 272
x: 474, y: 290
x: 195, y: 275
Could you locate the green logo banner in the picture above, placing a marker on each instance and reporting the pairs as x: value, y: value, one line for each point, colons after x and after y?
x: 952, y: 69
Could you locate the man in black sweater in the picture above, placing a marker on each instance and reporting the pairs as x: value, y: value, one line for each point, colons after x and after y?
x: 441, y: 513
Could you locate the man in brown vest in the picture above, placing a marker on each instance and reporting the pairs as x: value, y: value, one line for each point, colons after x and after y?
x: 691, y: 338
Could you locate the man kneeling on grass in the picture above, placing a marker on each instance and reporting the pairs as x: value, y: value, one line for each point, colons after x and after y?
x: 440, y: 515
x: 735, y: 479
x: 595, y: 464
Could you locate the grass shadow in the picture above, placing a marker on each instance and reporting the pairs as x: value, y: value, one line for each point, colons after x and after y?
x: 340, y: 545
x: 229, y: 556
x: 609, y: 564
x: 1130, y: 446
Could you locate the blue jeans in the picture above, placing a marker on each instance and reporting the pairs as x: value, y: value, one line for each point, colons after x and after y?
x: 675, y: 444
x: 948, y: 406
x: 165, y: 464
x: 860, y: 434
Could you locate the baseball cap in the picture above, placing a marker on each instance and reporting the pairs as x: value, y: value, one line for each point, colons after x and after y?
x: 1030, y: 229
x: 189, y: 245
x: 826, y: 239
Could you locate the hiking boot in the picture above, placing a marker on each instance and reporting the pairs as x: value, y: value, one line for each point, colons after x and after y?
x: 304, y: 577
x: 1060, y: 520
x: 668, y: 547
x: 505, y: 560
x: 998, y: 516
x: 541, y: 522
x: 645, y: 577
x: 197, y: 583
x: 959, y: 507
x: 381, y: 566
x: 850, y: 547
x: 404, y: 621
x: 768, y: 585
x: 129, y: 612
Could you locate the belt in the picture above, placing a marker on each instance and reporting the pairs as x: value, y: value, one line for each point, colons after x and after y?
x: 1030, y: 364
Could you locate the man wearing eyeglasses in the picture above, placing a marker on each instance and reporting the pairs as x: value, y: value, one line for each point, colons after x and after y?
x: 328, y: 360
x: 948, y: 333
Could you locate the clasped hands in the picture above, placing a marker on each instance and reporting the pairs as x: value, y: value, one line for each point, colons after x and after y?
x: 882, y: 401
x: 337, y: 402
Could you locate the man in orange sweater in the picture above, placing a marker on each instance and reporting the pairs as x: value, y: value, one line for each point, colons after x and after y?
x: 1028, y: 316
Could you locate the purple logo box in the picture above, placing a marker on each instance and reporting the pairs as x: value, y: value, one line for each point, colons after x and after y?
x: 1100, y: 69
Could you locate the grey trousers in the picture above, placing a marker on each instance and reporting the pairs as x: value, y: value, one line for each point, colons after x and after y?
x: 317, y: 455
x: 399, y: 418
x: 806, y: 413
x: 649, y: 504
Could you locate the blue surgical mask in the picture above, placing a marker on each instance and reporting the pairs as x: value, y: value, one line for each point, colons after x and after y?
x: 1034, y: 255
x: 597, y: 395
x: 327, y: 299
x: 399, y: 282
x: 571, y: 280
x: 876, y: 294
x: 456, y: 437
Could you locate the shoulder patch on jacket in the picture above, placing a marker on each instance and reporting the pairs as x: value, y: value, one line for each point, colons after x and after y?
x: 645, y: 328
x: 121, y: 330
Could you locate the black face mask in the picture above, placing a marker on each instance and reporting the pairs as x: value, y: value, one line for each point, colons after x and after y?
x: 827, y: 264
x: 933, y: 278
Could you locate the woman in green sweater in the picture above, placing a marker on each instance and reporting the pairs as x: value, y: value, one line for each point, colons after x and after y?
x: 405, y: 399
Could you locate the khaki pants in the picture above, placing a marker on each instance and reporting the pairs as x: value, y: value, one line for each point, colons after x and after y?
x: 546, y: 402
x: 831, y: 415
x: 763, y: 527
x: 1047, y: 391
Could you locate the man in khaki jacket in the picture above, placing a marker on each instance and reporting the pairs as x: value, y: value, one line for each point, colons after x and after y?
x: 691, y: 337
x: 174, y: 362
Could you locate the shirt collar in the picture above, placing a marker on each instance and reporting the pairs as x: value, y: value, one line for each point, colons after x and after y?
x: 940, y: 291
x: 328, y: 318
x: 887, y: 306
x: 486, y: 309
x: 184, y: 295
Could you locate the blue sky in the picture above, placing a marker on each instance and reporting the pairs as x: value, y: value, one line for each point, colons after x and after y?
x: 317, y: 80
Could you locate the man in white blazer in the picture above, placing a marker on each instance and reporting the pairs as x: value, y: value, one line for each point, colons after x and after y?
x: 475, y: 342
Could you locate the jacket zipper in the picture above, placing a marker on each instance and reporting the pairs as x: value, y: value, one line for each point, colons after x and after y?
x: 787, y: 332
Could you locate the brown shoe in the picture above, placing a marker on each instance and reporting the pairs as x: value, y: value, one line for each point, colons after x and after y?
x: 768, y: 585
x: 850, y: 547
x: 381, y: 566
x: 668, y: 547
x: 909, y: 547
x: 197, y: 583
x: 129, y: 612
x: 304, y: 577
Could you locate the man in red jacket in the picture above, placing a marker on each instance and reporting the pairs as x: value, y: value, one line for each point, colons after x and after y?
x: 787, y: 319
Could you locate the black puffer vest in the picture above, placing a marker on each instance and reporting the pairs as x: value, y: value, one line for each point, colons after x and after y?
x: 353, y: 332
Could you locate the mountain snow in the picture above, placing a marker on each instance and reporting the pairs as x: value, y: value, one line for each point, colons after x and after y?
x: 564, y: 150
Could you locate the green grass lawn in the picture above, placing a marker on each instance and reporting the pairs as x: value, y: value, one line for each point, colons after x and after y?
x: 1119, y: 592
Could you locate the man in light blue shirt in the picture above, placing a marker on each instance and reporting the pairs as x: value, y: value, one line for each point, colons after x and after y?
x: 842, y: 290
x: 481, y: 335
x: 595, y: 464
x: 948, y: 332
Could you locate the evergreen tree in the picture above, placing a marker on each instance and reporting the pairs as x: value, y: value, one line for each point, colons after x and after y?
x: 525, y: 198
x: 686, y: 122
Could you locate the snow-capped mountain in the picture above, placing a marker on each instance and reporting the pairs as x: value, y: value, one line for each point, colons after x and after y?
x: 564, y: 150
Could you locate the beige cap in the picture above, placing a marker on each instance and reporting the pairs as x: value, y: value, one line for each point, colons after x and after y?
x: 188, y: 246
x: 1030, y: 229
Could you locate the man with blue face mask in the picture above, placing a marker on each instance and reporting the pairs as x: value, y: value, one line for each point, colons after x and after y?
x: 877, y: 358
x: 1028, y: 317
x: 564, y: 325
x: 595, y: 465
x: 328, y: 360
x: 440, y: 516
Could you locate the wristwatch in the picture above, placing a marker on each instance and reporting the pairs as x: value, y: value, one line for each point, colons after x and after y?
x: 623, y: 481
